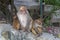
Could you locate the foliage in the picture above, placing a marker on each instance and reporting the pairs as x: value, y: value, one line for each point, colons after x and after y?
x: 56, y: 6
x: 52, y: 2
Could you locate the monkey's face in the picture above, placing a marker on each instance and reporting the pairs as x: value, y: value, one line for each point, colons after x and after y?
x: 38, y: 23
x: 23, y: 9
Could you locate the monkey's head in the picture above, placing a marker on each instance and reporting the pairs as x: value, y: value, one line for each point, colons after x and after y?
x: 23, y: 9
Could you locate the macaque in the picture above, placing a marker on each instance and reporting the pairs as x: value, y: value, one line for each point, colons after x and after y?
x: 26, y: 23
x: 37, y: 27
x: 24, y: 19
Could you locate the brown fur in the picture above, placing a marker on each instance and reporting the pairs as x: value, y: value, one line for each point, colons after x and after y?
x: 16, y: 24
x: 33, y: 29
x: 36, y: 30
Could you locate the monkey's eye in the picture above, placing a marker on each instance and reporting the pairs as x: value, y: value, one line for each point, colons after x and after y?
x: 22, y: 10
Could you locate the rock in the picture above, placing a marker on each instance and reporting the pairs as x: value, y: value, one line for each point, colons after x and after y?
x: 8, y: 35
x: 20, y: 35
x: 47, y: 36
